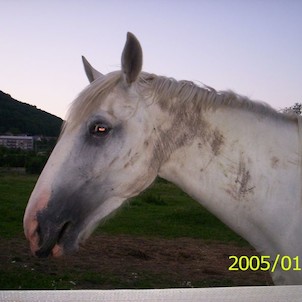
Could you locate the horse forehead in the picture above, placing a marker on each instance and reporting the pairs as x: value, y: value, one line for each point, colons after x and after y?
x: 119, y: 104
x: 112, y: 101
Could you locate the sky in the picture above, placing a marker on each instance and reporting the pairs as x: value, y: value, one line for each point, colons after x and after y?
x: 251, y: 47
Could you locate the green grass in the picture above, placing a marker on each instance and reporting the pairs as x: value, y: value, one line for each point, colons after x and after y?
x: 14, y: 193
x: 165, y: 211
x: 71, y: 280
x: 32, y: 280
x: 162, y: 211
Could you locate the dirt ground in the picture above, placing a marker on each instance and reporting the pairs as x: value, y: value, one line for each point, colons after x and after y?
x: 182, y: 262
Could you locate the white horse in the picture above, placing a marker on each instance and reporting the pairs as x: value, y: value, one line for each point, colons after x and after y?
x: 238, y: 158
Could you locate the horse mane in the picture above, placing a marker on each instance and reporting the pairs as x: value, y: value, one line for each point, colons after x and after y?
x: 169, y: 93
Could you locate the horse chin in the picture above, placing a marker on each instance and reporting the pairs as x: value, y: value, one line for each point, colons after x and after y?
x: 55, y: 241
x: 67, y: 243
x: 57, y: 251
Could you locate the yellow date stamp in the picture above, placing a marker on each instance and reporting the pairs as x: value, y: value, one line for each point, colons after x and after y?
x: 264, y: 263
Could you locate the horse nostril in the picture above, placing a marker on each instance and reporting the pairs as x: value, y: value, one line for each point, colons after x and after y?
x: 39, y: 235
x: 50, y: 236
x: 42, y: 253
x: 63, y: 230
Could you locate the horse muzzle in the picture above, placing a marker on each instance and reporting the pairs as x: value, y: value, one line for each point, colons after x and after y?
x: 52, y: 224
x: 57, y: 219
x: 55, y: 239
x: 49, y: 237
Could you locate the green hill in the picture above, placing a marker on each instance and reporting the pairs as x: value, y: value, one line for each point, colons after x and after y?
x: 17, y: 117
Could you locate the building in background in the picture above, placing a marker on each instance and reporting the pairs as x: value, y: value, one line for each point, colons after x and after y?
x: 17, y: 142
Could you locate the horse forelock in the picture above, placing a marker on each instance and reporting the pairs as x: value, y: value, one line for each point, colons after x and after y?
x: 90, y: 99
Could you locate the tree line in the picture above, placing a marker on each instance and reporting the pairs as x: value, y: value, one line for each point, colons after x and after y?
x: 21, y: 118
x: 32, y: 160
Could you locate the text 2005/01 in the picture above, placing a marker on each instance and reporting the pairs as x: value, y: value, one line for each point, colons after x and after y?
x: 264, y: 263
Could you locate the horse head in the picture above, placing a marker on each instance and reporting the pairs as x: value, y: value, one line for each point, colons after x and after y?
x: 104, y: 156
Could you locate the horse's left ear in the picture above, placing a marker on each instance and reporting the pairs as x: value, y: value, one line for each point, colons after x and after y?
x: 92, y: 74
x: 132, y: 59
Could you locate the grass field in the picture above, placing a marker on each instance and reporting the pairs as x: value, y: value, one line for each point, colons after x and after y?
x: 166, y: 211
x: 14, y: 193
x: 163, y: 211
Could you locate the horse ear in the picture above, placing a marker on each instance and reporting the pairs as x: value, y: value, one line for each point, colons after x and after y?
x: 92, y: 74
x: 132, y: 59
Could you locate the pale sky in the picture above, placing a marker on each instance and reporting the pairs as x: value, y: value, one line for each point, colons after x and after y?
x: 252, y: 47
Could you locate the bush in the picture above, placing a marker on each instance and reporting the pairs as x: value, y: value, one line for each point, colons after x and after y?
x: 153, y: 199
x: 35, y: 165
x: 12, y: 157
x: 17, y: 158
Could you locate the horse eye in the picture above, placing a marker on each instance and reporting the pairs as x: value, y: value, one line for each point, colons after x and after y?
x: 99, y: 129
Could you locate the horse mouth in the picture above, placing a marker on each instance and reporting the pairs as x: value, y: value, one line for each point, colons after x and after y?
x: 55, y: 241
x: 61, y: 223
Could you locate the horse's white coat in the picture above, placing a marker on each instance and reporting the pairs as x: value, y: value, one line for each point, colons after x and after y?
x: 243, y: 164
x: 252, y: 185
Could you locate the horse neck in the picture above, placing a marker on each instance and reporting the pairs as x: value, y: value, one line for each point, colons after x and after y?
x: 244, y: 168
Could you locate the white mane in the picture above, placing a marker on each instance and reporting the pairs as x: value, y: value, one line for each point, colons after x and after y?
x: 169, y: 93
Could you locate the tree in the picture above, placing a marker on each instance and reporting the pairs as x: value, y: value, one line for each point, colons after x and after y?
x: 35, y: 165
x: 296, y: 109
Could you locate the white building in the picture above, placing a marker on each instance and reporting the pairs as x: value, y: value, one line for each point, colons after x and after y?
x: 17, y: 142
